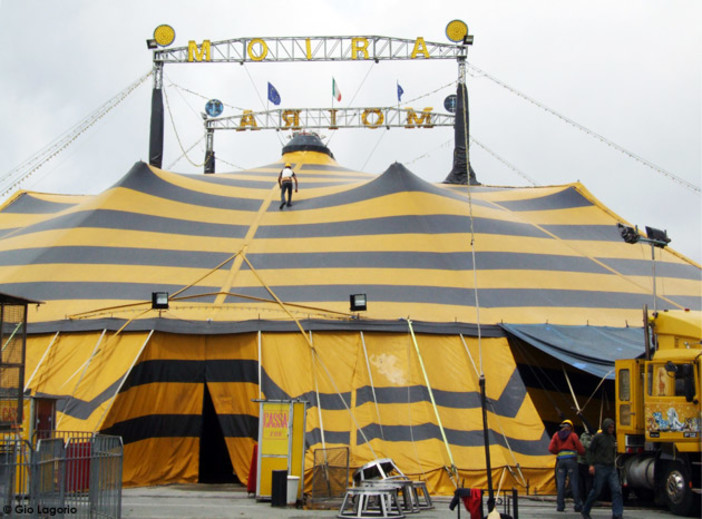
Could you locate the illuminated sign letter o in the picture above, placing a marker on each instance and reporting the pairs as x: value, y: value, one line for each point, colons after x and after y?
x: 264, y: 49
x: 378, y: 117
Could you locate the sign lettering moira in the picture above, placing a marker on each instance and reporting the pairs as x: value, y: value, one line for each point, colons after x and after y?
x: 313, y: 49
x: 295, y: 119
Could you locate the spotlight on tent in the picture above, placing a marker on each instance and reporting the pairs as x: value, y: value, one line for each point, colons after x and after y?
x: 656, y: 237
x: 159, y: 300
x: 629, y: 234
x: 358, y: 302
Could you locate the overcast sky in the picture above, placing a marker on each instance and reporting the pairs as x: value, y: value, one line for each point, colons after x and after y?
x: 628, y: 70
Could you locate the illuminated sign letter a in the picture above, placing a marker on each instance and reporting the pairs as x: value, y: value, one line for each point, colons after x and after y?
x: 247, y: 121
x: 420, y: 47
x: 196, y: 53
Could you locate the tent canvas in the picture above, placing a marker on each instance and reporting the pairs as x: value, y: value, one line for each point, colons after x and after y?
x: 259, y: 308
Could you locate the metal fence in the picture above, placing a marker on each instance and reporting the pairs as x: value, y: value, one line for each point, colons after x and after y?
x: 64, y: 475
x: 330, y: 477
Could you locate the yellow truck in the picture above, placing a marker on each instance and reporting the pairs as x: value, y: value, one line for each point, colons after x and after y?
x: 658, y: 413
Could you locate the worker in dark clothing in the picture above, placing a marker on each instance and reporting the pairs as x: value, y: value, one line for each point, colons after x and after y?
x: 286, y: 177
x: 566, y: 446
x: 584, y: 477
x: 601, y: 457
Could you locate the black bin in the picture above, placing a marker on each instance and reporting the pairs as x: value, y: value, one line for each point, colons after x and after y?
x: 279, y: 488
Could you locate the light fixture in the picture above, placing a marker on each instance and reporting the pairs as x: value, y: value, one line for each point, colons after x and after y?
x: 159, y: 300
x: 358, y: 302
x: 151, y: 44
x: 657, y: 237
x: 629, y: 234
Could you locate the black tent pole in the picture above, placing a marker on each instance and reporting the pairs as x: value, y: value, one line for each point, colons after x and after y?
x: 486, y: 439
x: 157, y: 118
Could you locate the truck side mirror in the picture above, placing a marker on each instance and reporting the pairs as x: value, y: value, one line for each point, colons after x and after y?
x: 688, y: 374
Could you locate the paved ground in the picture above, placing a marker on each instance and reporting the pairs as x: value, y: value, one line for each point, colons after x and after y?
x: 232, y: 502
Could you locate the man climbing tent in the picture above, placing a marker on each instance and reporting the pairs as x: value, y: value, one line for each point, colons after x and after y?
x: 286, y: 177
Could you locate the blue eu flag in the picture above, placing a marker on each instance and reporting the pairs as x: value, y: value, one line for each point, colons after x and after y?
x: 273, y: 95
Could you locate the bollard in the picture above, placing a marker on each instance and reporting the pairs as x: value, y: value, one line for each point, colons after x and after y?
x: 279, y: 488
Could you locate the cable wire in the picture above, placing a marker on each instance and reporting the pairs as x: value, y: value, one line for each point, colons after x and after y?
x: 14, y: 178
x: 591, y: 133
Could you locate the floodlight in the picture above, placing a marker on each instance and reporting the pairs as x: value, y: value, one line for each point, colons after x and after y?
x: 657, y: 237
x: 629, y: 234
x: 151, y: 44
x: 358, y: 302
x: 159, y: 300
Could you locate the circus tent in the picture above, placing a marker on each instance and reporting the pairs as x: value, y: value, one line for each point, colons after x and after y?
x: 259, y: 308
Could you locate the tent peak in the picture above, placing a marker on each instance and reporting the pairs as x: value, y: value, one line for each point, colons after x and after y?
x: 306, y: 141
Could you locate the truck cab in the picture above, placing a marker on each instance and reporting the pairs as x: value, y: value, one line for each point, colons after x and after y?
x: 659, y: 429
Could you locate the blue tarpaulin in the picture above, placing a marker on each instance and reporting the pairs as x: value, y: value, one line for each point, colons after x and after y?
x: 592, y: 349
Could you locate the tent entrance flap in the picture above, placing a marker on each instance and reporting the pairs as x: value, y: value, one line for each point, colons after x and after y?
x: 215, y: 463
x: 592, y: 349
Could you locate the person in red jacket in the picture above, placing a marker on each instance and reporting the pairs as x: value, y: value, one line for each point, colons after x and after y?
x: 566, y: 446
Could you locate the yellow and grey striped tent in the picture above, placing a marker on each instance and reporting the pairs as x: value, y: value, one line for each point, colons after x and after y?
x: 259, y: 309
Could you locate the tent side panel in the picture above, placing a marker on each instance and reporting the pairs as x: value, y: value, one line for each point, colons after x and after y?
x: 232, y: 380
x: 158, y: 412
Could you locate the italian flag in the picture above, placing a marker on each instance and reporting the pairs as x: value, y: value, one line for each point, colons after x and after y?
x: 336, y: 93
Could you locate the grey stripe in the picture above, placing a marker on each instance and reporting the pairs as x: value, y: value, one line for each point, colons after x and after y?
x: 252, y: 326
x: 461, y: 438
x: 28, y: 204
x: 691, y: 302
x: 489, y: 298
x: 426, y: 224
x: 459, y: 261
x: 637, y: 267
x: 121, y: 220
x: 568, y: 199
x: 508, y: 404
x: 112, y: 256
x: 585, y: 232
x: 314, y: 437
x: 456, y: 261
x: 102, y: 290
x: 413, y: 394
x: 377, y: 294
x: 141, y: 179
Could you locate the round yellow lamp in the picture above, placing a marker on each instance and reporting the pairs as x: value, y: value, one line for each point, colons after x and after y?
x: 164, y: 35
x: 456, y: 30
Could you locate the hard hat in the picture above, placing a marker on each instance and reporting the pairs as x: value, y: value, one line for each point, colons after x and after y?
x: 566, y: 422
x: 287, y: 164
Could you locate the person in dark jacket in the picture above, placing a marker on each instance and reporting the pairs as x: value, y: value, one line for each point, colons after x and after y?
x: 566, y: 446
x: 583, y: 468
x: 601, y: 460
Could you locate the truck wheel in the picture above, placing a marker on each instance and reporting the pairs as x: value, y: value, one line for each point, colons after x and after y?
x: 676, y: 486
